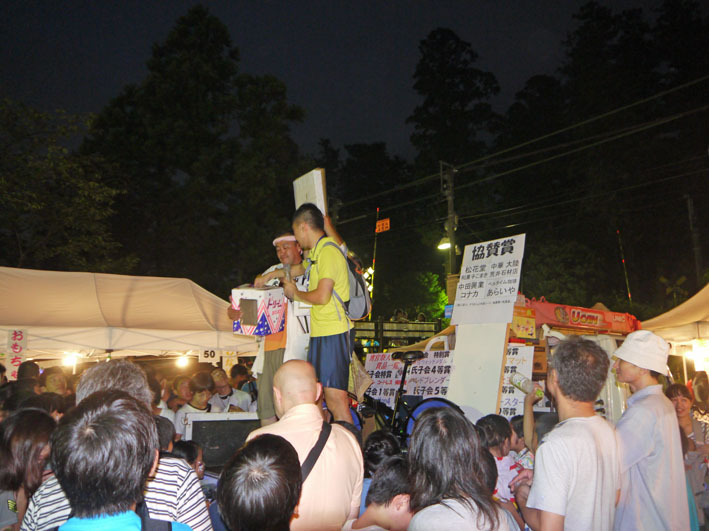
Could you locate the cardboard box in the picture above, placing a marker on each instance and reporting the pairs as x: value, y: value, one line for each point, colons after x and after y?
x: 263, y: 310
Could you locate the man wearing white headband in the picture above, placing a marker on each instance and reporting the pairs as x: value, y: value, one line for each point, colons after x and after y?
x: 292, y: 343
x: 653, y: 492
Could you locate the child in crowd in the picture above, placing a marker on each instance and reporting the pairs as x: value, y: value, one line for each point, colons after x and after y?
x: 201, y: 388
x: 380, y: 445
x: 488, y: 465
x: 387, y: 500
x: 181, y: 393
x: 522, y: 455
x: 498, y: 437
x: 191, y: 452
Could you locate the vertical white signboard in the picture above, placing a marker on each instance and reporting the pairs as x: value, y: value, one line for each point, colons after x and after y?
x: 489, y: 280
x: 310, y: 188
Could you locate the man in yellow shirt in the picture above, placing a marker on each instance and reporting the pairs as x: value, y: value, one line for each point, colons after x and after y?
x: 331, y: 341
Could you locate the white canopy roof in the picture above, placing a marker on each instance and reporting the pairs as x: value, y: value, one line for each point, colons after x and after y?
x: 91, y: 313
x: 686, y: 322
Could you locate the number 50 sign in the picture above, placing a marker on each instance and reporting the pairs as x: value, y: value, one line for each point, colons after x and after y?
x: 210, y: 356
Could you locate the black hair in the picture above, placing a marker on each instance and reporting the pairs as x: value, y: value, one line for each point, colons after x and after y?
x: 238, y: 370
x: 444, y: 463
x: 27, y: 369
x: 489, y: 470
x: 582, y: 368
x: 103, y: 451
x: 49, y: 402
x: 310, y: 214
x: 187, y: 450
x: 517, y: 424
x: 678, y: 389
x: 23, y: 437
x: 379, y: 445
x: 18, y: 392
x: 260, y: 485
x: 201, y: 381
x: 155, y: 389
x: 390, y: 480
x: 493, y: 430
x: 166, y: 431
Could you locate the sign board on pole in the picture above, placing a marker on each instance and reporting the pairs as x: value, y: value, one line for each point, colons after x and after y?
x: 382, y: 225
x: 427, y: 377
x: 489, y: 279
x: 310, y: 188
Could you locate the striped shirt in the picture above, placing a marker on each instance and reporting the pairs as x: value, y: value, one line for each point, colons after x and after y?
x: 174, y: 494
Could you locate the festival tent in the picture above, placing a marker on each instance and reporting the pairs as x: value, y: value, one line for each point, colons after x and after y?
x: 93, y: 315
x: 686, y: 328
x: 687, y: 322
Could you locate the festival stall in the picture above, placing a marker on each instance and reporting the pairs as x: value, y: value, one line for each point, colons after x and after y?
x: 51, y: 315
x: 686, y: 328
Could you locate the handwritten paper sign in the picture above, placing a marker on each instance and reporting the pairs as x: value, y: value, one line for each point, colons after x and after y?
x: 427, y: 377
x: 489, y: 279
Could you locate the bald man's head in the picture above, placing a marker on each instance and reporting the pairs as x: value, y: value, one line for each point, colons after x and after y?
x: 294, y: 383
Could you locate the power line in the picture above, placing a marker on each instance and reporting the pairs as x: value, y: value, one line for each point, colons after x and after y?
x: 528, y: 142
x: 624, y: 133
x: 590, y: 120
x: 636, y: 130
x: 504, y: 213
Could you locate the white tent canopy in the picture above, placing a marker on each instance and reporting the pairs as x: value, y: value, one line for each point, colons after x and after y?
x: 687, y: 322
x: 92, y: 314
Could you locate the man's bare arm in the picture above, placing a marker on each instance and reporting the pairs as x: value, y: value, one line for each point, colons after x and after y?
x: 320, y: 295
x: 295, y: 271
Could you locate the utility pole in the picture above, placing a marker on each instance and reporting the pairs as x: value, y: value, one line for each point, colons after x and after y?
x: 451, y: 223
x: 696, y: 244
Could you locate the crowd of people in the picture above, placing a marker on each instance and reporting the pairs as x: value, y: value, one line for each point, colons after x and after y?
x: 109, y: 449
x: 105, y: 455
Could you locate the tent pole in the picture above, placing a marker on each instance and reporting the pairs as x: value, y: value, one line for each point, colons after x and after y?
x: 684, y: 364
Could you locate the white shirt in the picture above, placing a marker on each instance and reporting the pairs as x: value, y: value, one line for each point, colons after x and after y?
x: 452, y: 515
x: 577, y: 473
x: 173, y: 494
x: 166, y: 412
x: 236, y: 398
x: 653, y: 491
x: 181, y: 418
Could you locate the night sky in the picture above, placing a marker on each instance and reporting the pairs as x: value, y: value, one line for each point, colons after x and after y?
x: 348, y: 64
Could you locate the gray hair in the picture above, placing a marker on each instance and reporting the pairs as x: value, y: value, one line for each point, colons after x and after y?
x: 119, y: 374
x: 582, y: 367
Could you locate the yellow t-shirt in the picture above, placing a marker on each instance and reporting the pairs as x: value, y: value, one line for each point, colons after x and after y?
x: 329, y: 262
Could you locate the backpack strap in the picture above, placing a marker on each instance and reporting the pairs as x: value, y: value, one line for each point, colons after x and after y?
x: 150, y: 524
x: 339, y: 299
x: 315, y: 452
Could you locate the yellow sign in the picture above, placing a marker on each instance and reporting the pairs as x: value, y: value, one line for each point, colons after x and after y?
x: 382, y: 225
x: 524, y: 322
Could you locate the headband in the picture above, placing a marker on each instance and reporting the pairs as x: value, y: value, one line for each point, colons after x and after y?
x: 286, y: 238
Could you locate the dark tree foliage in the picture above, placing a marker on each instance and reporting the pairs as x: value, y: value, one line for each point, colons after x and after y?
x: 205, y: 157
x: 454, y: 109
x: 54, y: 205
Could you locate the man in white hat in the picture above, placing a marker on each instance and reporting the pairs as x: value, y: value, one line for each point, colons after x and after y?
x: 653, y: 488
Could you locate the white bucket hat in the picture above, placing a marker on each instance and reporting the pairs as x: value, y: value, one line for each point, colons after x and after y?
x: 646, y: 350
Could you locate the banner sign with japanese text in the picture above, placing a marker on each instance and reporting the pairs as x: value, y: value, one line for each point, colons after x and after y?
x: 16, y: 347
x: 489, y: 279
x: 519, y: 359
x: 427, y: 377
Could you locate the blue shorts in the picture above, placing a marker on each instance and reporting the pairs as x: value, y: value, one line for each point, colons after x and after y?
x: 331, y: 355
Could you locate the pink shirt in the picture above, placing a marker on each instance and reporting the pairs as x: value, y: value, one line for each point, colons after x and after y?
x: 331, y: 493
